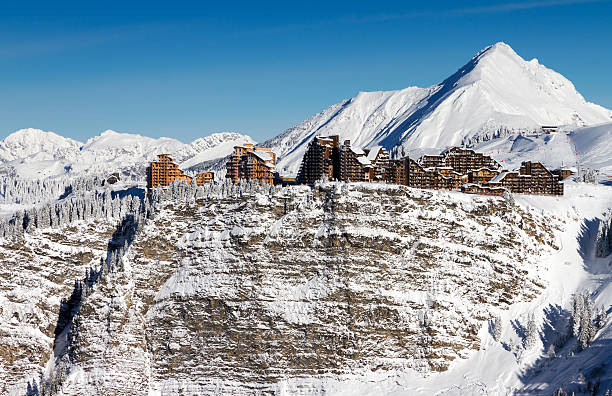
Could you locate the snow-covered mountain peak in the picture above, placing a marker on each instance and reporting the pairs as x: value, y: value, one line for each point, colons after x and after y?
x: 110, y: 139
x: 33, y: 153
x: 217, y: 145
x: 494, y: 92
x: 30, y: 141
x: 37, y: 137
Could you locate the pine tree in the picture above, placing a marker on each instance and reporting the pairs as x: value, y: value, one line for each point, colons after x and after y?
x: 602, y: 317
x: 577, y: 313
x: 531, y: 334
x: 497, y: 328
x: 587, y: 329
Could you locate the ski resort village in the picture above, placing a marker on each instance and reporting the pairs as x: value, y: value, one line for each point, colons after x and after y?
x: 448, y: 240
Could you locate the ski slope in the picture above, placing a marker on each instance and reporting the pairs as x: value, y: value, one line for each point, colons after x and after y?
x: 582, y: 148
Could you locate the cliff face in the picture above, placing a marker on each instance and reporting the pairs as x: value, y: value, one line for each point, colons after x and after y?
x: 242, y: 292
x: 39, y: 270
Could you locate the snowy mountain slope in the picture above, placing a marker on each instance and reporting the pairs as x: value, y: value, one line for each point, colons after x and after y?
x: 217, y: 145
x: 36, y: 154
x: 583, y: 148
x: 34, y: 142
x: 496, y: 91
x: 594, y: 147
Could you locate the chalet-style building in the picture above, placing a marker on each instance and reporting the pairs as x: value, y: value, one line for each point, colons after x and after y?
x: 353, y: 163
x: 396, y: 171
x: 205, y: 178
x: 113, y: 178
x: 564, y: 173
x: 379, y: 160
x: 320, y: 160
x: 464, y: 160
x: 550, y: 129
x: 431, y: 161
x: 326, y: 158
x: 482, y: 175
x: 252, y: 163
x: 531, y: 178
x: 454, y: 168
x: 164, y: 171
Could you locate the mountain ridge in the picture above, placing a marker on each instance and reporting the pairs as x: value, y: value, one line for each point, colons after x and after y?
x: 34, y: 153
x: 496, y: 90
x: 494, y: 93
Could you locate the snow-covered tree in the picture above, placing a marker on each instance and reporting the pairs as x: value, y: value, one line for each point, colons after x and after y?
x: 577, y: 313
x: 602, y: 317
x: 497, y: 328
x: 582, y: 319
x: 531, y: 334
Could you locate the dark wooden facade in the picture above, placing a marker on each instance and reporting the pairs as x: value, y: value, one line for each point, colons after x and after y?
x: 482, y: 175
x: 319, y: 161
x: 531, y: 178
x: 564, y: 173
x: 353, y: 164
x: 471, y: 188
x: 205, y: 178
x: 464, y: 160
x: 452, y: 169
x: 396, y: 172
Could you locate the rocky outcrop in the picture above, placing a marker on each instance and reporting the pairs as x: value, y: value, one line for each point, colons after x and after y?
x: 242, y: 291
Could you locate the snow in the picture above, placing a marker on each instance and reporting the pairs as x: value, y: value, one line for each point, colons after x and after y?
x: 582, y: 148
x: 210, y: 258
x: 497, y: 89
x: 363, y: 161
x: 357, y: 150
x: 373, y: 153
x: 35, y: 154
x: 263, y: 155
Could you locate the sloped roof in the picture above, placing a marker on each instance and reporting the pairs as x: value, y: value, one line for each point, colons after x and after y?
x: 263, y: 155
x: 373, y: 153
x: 357, y: 150
x: 364, y: 161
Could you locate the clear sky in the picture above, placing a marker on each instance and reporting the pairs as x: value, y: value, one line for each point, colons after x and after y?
x: 188, y: 69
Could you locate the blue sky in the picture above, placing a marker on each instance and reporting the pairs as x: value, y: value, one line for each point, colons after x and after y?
x: 188, y: 69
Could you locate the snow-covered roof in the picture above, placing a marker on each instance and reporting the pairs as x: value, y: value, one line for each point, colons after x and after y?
x: 263, y: 155
x: 364, y: 161
x: 357, y: 150
x: 483, y: 168
x: 571, y: 169
x: 374, y: 152
x: 499, y: 177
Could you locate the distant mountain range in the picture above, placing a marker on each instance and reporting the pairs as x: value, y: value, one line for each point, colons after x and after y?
x: 496, y: 92
x: 33, y: 153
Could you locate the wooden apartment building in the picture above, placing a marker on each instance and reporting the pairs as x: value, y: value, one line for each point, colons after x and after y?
x: 461, y: 160
x: 454, y: 168
x: 531, y: 178
x: 327, y: 158
x: 164, y: 171
x: 252, y: 163
x: 205, y: 178
x: 320, y: 161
